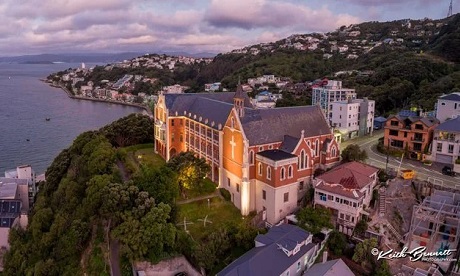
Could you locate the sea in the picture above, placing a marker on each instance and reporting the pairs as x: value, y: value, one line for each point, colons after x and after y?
x: 26, y: 136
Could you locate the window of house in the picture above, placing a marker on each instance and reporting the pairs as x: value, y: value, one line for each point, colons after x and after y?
x: 251, y: 157
x: 419, y: 126
x: 172, y: 122
x: 341, y: 216
x: 417, y: 146
x: 264, y: 194
x: 260, y: 168
x: 352, y: 219
x: 287, y: 273
x: 172, y: 137
x: 337, y: 199
x: 349, y: 116
x: 346, y: 202
x: 290, y: 172
x: 298, y: 266
x: 181, y: 138
x: 405, y: 134
x: 237, y: 187
x: 181, y: 121
x: 232, y: 122
x: 394, y: 123
x: 322, y: 197
x: 330, y: 197
x: 228, y: 182
x: 286, y: 197
x: 439, y: 147
x: 451, y: 148
x: 261, y: 148
x: 333, y: 152
x: 317, y: 148
x: 270, y: 147
x: 302, y: 160
x: 282, y: 174
x: 354, y: 204
x: 269, y: 173
x: 347, y: 217
x: 340, y: 116
x: 397, y: 144
x: 393, y: 132
x: 349, y: 124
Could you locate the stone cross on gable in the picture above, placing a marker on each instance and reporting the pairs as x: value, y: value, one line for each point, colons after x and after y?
x: 233, y: 144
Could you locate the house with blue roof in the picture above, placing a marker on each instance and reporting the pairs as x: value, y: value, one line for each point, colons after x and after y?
x: 285, y: 250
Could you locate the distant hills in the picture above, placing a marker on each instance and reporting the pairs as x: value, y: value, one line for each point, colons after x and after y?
x: 87, y: 57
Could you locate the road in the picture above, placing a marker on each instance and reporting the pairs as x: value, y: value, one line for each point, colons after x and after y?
x: 422, y: 172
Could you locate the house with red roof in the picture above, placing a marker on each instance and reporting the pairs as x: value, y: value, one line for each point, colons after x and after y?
x: 346, y: 190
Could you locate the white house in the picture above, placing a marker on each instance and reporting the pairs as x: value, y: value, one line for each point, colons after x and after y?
x: 352, y: 118
x: 346, y: 190
x: 285, y: 250
x: 448, y: 107
x: 446, y: 142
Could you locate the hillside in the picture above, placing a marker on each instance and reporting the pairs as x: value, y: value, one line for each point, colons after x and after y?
x: 406, y: 62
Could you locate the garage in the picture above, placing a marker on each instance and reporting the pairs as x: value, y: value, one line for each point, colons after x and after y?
x: 442, y: 158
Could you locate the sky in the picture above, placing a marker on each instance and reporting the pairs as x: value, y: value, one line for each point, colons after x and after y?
x: 193, y: 26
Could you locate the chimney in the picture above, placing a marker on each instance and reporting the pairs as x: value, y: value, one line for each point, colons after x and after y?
x: 324, y: 256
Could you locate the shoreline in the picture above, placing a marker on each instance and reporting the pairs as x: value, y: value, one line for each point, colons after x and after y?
x: 70, y: 95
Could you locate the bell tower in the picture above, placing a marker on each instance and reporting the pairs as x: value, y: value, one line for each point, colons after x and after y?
x: 238, y: 100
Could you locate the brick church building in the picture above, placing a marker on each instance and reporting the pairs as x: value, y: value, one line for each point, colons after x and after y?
x: 265, y: 158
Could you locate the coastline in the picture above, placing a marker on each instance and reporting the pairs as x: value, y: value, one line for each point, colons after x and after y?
x: 70, y: 95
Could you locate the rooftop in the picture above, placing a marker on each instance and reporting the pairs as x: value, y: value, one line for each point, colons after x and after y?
x: 451, y: 97
x: 270, y: 259
x: 8, y: 190
x: 450, y: 125
x: 330, y: 268
x: 276, y: 155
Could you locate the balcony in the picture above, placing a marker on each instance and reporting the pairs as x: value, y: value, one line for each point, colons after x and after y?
x: 452, y: 140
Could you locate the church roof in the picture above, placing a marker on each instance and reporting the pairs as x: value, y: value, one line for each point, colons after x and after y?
x: 289, y: 143
x: 212, y: 106
x: 240, y: 94
x: 276, y: 155
x: 263, y: 126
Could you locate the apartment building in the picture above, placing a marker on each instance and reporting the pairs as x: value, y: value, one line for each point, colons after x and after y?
x: 446, y: 142
x: 332, y: 91
x: 448, y: 107
x: 346, y: 190
x: 352, y: 118
x: 412, y: 134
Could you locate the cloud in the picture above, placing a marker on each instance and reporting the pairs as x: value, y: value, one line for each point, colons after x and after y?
x: 275, y: 14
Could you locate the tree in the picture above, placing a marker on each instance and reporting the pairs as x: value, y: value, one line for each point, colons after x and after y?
x: 383, y: 269
x: 353, y: 153
x: 360, y: 227
x: 337, y: 242
x: 160, y: 183
x: 314, y: 219
x: 190, y: 171
x: 363, y: 251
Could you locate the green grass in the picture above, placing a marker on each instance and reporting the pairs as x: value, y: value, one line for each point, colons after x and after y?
x: 97, y: 264
x: 220, y: 212
x: 141, y: 154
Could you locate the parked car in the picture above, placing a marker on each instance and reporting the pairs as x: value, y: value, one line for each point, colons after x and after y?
x: 448, y: 171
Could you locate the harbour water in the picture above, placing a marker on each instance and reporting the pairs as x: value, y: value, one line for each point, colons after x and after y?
x: 26, y: 136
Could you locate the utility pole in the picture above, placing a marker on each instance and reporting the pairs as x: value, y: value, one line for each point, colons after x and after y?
x: 449, y: 13
x: 388, y: 155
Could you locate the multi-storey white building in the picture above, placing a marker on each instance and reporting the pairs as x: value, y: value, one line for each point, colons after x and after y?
x: 448, y: 107
x: 353, y: 117
x: 346, y: 190
x: 446, y: 142
x: 331, y: 92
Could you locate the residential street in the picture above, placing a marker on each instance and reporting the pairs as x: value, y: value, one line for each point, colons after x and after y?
x: 422, y: 172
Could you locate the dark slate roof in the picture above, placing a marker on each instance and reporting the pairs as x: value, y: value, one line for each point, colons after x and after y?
x: 263, y: 126
x: 450, y: 125
x: 429, y: 121
x: 270, y: 259
x: 330, y: 268
x: 289, y: 143
x: 451, y: 97
x: 276, y: 155
x: 212, y: 106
